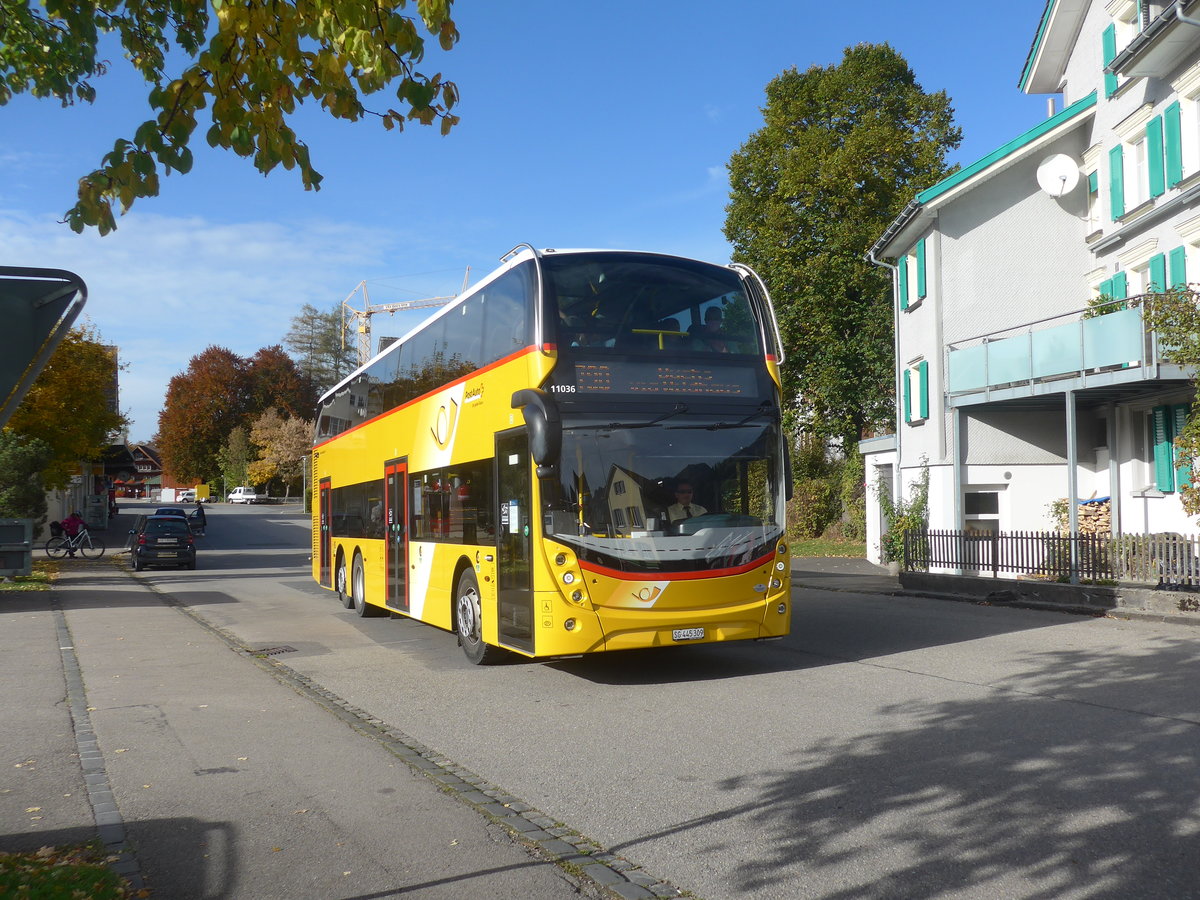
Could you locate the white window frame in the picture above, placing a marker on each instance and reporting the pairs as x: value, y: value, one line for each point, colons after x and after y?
x: 1187, y: 92
x: 1136, y: 263
x: 1125, y: 16
x: 1135, y: 175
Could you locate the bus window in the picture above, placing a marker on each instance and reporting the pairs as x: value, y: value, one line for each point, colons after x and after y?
x: 506, y: 326
x: 467, y: 327
x: 647, y: 305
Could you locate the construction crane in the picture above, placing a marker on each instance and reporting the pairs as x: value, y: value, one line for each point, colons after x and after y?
x: 362, y: 317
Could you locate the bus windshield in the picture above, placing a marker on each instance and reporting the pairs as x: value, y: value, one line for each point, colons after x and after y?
x: 681, y: 494
x: 642, y: 303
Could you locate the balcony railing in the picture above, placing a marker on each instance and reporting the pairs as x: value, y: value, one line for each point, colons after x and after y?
x: 1043, y: 351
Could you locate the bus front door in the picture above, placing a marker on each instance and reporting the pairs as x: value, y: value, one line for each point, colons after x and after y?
x: 395, y: 518
x: 514, y: 541
x: 325, y: 519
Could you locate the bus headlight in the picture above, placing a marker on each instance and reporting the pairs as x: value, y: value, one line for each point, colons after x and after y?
x: 577, y: 596
x: 780, y: 566
x: 561, y: 559
x: 569, y: 624
x: 782, y: 608
x: 569, y: 578
x: 782, y: 548
x: 776, y: 583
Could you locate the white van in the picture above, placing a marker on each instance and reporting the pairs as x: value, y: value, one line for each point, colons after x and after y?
x: 243, y: 495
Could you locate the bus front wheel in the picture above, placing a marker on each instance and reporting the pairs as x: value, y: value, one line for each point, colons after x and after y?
x: 358, y: 588
x: 468, y: 620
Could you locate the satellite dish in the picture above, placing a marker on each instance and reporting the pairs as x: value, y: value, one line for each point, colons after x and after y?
x: 1058, y: 175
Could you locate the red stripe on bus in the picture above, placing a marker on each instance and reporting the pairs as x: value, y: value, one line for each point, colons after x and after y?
x: 674, y: 576
x: 449, y: 384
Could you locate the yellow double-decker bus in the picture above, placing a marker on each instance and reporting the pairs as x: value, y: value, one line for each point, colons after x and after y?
x: 584, y: 452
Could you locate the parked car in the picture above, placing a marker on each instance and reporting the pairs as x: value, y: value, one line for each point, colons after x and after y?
x: 171, y: 511
x: 188, y: 496
x: 243, y: 495
x: 162, y: 541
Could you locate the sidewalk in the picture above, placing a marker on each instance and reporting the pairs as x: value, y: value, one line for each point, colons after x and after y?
x: 833, y: 573
x: 223, y: 780
x: 1123, y: 602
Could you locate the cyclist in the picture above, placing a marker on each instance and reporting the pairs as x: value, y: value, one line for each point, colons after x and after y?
x: 72, y: 525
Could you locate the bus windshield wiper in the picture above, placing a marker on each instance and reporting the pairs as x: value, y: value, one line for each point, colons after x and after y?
x: 763, y: 409
x: 680, y: 409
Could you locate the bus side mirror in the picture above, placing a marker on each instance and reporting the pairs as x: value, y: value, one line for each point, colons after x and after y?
x: 545, y: 428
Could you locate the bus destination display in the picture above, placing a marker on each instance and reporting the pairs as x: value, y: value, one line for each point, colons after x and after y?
x: 664, y: 378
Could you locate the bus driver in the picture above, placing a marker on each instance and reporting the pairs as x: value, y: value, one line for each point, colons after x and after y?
x: 683, y: 507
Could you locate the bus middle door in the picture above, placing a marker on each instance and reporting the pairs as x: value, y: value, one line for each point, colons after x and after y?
x: 395, y: 474
x: 324, y: 521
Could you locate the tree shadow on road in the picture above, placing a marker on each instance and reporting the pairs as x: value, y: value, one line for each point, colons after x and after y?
x: 1076, y: 778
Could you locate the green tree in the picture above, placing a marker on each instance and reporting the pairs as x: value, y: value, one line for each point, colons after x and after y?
x: 1175, y: 315
x: 22, y: 461
x: 70, y: 405
x: 250, y: 64
x: 315, y: 342
x: 842, y: 150
x: 234, y: 458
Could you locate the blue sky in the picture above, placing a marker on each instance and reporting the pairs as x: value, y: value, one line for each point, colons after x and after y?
x: 583, y: 125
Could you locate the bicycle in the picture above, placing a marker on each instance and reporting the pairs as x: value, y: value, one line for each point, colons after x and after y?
x: 88, y: 546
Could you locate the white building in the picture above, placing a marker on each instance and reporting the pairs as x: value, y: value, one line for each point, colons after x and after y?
x: 1010, y: 396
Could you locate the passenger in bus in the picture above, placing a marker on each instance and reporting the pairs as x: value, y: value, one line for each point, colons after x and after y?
x: 670, y: 334
x: 710, y: 336
x: 683, y: 508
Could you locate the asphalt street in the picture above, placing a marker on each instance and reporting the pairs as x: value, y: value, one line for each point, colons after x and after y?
x: 892, y: 746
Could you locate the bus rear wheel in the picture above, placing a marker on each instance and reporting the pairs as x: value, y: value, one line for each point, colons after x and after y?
x: 343, y: 589
x: 468, y: 621
x: 358, y: 587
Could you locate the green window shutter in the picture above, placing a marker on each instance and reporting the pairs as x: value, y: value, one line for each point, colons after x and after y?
x: 1179, y: 417
x: 1178, y: 265
x: 921, y: 269
x: 923, y: 388
x: 907, y: 396
x: 1120, y: 286
x: 1164, y: 463
x: 1093, y: 182
x: 1116, y: 181
x: 1158, y: 272
x: 902, y: 272
x: 1106, y: 287
x: 1173, y: 137
x: 1154, y: 157
x: 1109, y: 45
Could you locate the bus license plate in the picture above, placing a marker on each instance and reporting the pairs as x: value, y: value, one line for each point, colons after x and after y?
x: 687, y: 634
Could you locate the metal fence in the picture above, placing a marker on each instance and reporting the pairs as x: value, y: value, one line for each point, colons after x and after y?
x: 1162, y: 559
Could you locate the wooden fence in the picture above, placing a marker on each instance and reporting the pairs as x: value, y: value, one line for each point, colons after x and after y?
x: 1169, y: 560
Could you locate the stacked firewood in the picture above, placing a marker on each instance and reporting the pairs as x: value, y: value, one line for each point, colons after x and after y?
x: 1095, y: 517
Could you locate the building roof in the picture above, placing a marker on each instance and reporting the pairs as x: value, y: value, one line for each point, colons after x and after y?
x: 1052, y: 45
x: 997, y: 161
